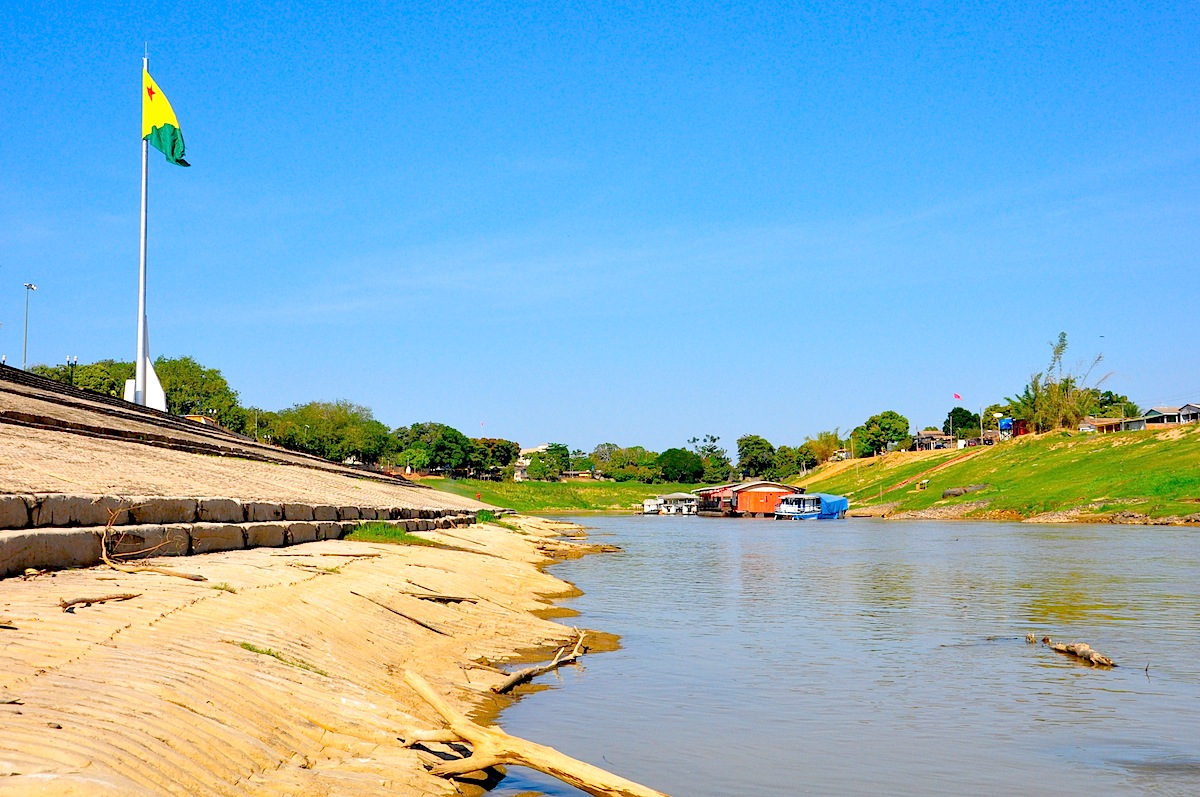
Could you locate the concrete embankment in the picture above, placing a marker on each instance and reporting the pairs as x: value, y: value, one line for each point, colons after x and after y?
x: 279, y: 675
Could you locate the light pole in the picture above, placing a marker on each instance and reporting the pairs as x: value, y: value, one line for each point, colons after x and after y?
x: 29, y: 288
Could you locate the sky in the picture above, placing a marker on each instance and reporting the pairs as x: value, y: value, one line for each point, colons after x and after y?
x: 626, y: 222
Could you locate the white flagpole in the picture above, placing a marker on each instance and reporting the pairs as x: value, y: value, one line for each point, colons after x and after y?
x: 139, y: 385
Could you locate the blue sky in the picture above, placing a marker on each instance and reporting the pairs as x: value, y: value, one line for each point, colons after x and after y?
x: 630, y: 222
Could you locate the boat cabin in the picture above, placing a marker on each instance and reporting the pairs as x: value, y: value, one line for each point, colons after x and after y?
x: 812, y: 506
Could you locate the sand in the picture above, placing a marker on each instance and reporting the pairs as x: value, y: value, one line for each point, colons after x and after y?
x: 159, y: 694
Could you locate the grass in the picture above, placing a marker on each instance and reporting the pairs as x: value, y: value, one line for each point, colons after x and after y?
x: 581, y: 496
x: 224, y: 586
x: 279, y: 656
x: 383, y: 532
x: 1153, y: 473
x: 488, y: 516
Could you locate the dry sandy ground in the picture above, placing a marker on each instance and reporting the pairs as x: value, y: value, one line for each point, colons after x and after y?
x: 49, y: 461
x: 157, y: 696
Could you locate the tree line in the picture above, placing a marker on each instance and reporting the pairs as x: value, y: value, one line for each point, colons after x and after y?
x: 342, y: 431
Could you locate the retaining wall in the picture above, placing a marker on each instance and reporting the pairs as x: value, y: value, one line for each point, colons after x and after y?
x: 58, y: 531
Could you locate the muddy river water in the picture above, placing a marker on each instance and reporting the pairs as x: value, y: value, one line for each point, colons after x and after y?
x: 771, y: 659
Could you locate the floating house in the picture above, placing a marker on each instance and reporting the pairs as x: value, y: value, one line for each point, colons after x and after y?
x: 747, y: 498
x: 671, y: 504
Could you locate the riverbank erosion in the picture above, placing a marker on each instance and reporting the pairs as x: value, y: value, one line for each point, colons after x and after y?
x: 280, y: 674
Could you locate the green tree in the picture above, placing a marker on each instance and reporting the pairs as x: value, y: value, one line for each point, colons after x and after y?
x: 415, y: 458
x: 602, y: 453
x: 580, y: 461
x: 1057, y: 398
x: 336, y: 430
x: 961, y: 422
x: 543, y: 467
x: 824, y: 445
x: 873, y: 436
x: 500, y: 453
x: 717, y: 467
x: 560, y: 455
x: 680, y: 465
x: 633, y: 464
x: 807, y: 456
x: 1113, y: 405
x: 756, y: 456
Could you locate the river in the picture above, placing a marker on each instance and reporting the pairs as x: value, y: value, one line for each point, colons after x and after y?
x: 770, y: 659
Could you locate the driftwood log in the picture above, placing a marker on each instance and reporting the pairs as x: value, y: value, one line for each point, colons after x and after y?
x: 529, y: 673
x: 399, y: 613
x: 1080, y: 650
x: 493, y: 747
x: 69, y: 605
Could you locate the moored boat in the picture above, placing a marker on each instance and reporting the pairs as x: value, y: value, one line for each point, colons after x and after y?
x: 811, y: 506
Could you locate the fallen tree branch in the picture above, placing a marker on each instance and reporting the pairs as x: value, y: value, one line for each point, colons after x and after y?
x: 430, y: 594
x: 1080, y: 650
x: 69, y: 606
x: 492, y: 747
x: 104, y: 557
x: 410, y: 618
x: 529, y: 673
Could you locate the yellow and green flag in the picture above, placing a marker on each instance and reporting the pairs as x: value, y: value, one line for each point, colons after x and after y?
x: 159, y: 125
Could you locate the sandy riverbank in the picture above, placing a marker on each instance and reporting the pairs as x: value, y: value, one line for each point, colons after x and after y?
x: 279, y: 675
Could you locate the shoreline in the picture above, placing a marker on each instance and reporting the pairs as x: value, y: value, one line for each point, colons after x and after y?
x: 279, y: 675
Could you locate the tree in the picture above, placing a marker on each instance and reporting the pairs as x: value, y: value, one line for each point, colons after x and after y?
x: 580, y: 461
x: 500, y: 453
x: 560, y: 455
x: 543, y: 467
x: 602, y: 453
x: 633, y: 464
x: 717, y: 467
x: 336, y: 430
x: 824, y: 445
x: 961, y: 422
x: 1057, y: 398
x: 756, y: 456
x: 790, y: 461
x: 1113, y: 405
x: 679, y: 465
x: 106, y: 377
x: 873, y: 436
x: 193, y: 389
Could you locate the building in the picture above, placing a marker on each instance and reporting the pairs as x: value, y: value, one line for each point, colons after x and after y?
x: 679, y: 504
x: 1155, y: 418
x: 930, y: 440
x: 747, y: 498
x: 521, y: 466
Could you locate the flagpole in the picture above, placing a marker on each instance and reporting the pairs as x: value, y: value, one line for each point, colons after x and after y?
x: 139, y: 384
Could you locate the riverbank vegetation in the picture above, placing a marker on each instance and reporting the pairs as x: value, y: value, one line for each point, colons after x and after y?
x: 572, y: 496
x: 1151, y: 473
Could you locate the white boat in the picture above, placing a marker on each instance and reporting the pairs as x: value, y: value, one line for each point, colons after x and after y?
x: 811, y: 506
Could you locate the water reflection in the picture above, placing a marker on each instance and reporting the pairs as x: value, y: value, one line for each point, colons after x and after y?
x: 870, y: 657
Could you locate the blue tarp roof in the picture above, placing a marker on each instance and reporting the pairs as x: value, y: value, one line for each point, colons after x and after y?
x: 833, y: 503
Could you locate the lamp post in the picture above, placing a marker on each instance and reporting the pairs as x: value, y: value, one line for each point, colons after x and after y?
x: 29, y: 288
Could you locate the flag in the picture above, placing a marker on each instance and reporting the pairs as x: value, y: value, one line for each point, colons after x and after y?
x: 160, y: 127
x: 957, y: 397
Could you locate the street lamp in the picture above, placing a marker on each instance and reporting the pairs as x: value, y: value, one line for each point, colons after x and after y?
x: 29, y: 288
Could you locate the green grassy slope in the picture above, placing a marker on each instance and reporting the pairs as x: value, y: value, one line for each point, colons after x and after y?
x: 1152, y: 473
x: 559, y: 496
